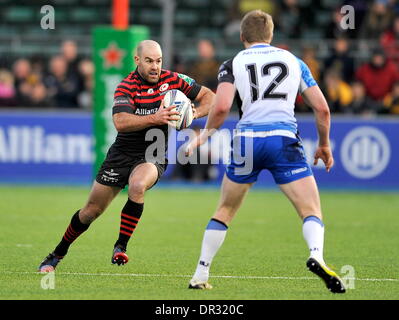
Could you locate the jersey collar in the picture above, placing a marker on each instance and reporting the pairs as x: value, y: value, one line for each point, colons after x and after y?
x: 259, y: 45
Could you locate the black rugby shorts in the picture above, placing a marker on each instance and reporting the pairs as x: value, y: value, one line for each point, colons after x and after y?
x: 117, y: 167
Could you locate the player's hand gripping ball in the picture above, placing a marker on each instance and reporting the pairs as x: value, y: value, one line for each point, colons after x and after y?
x: 183, y: 107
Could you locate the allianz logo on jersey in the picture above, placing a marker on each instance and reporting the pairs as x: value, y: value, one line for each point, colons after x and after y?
x: 31, y: 144
x: 365, y: 152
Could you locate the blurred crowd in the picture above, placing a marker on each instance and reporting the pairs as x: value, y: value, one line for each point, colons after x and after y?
x: 360, y: 73
x: 65, y: 81
x: 355, y: 79
x: 372, y: 87
x: 369, y: 87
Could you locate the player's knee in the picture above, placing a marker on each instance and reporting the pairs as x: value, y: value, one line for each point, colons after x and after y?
x: 137, y: 189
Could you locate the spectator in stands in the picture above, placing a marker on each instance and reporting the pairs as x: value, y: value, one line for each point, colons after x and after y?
x: 361, y: 103
x: 289, y: 20
x: 360, y: 8
x: 86, y: 70
x: 391, y: 101
x: 69, y: 50
x: 340, y: 60
x: 38, y: 65
x: 178, y: 64
x: 234, y: 15
x: 309, y: 57
x: 390, y: 42
x: 22, y: 73
x: 7, y: 90
x: 394, y: 6
x: 338, y: 92
x: 239, y: 8
x: 30, y: 90
x: 63, y: 87
x: 378, y: 76
x: 334, y: 29
x: 38, y: 97
x: 205, y: 69
x: 378, y: 19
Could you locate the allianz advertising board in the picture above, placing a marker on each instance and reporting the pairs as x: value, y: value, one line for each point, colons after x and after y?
x: 58, y: 147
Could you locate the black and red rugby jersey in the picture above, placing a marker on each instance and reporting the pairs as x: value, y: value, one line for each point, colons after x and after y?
x: 137, y: 96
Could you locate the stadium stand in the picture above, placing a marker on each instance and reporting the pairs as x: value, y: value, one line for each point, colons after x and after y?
x: 301, y: 25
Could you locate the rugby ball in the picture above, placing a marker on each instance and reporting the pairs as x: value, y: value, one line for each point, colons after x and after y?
x: 183, y: 106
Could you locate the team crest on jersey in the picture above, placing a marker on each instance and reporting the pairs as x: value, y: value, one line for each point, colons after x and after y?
x: 150, y: 91
x: 164, y: 87
x: 189, y: 80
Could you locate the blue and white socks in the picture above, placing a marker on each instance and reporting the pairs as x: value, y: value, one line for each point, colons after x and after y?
x: 215, y: 233
x: 213, y: 239
x: 313, y: 232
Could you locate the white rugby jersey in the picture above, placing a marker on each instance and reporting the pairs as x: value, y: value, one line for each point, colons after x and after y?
x: 267, y: 80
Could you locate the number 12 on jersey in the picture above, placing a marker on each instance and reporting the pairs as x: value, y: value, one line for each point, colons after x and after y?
x: 269, y: 93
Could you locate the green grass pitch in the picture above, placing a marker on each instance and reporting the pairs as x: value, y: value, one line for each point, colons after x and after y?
x: 263, y: 256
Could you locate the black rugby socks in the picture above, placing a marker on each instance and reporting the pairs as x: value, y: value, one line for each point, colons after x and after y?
x: 130, y: 217
x: 74, y: 230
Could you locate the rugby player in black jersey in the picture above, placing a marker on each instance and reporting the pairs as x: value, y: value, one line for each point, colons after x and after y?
x: 138, y: 108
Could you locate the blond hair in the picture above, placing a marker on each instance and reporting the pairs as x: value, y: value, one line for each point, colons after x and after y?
x: 257, y: 26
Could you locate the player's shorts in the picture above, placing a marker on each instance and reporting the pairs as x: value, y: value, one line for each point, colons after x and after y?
x: 283, y: 155
x: 117, y: 167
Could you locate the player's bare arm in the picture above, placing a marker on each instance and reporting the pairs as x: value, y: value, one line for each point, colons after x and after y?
x: 316, y: 100
x: 126, y: 122
x: 223, y: 102
x: 205, y: 99
x: 218, y: 112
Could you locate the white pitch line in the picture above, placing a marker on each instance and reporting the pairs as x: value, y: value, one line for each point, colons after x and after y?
x: 143, y: 275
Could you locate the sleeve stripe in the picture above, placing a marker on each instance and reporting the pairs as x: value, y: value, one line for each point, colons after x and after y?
x: 192, y: 91
x: 122, y: 108
x: 307, y: 79
x: 227, y: 79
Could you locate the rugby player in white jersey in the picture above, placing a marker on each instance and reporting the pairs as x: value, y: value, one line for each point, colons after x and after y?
x: 266, y: 80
